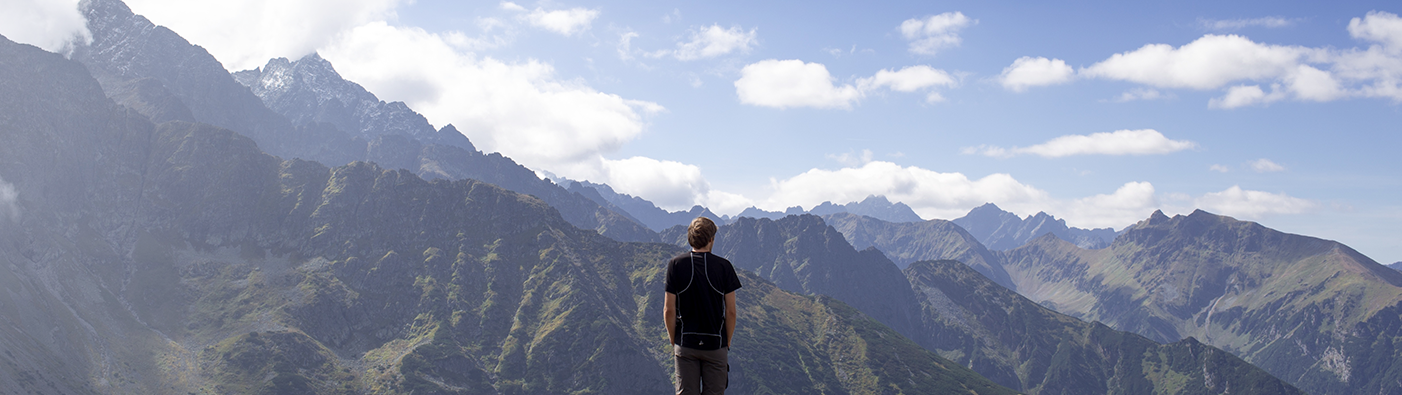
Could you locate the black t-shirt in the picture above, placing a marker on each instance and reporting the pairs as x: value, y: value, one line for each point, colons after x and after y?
x: 700, y: 280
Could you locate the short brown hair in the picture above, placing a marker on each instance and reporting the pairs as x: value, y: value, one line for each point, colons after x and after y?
x: 701, y: 232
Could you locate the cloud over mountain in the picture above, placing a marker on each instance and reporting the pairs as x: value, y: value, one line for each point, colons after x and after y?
x: 51, y: 25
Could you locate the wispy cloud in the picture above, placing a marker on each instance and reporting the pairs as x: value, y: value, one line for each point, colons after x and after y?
x: 1120, y: 142
x: 566, y: 22
x: 712, y: 41
x: 1248, y: 204
x: 931, y: 34
x: 1264, y: 165
x: 1238, y: 24
x: 795, y: 83
x: 1219, y: 168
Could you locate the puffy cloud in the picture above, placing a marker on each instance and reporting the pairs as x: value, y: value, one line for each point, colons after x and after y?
x: 792, y: 83
x: 1382, y: 27
x: 1026, y: 72
x: 930, y: 34
x: 1264, y: 165
x: 1244, y: 95
x: 671, y: 185
x: 1248, y: 204
x: 931, y: 194
x: 1128, y: 204
x: 908, y: 79
x: 1238, y: 24
x: 1207, y: 63
x: 245, y: 34
x: 519, y: 109
x: 565, y: 22
x: 9, y: 201
x: 795, y: 83
x: 1120, y: 142
x: 711, y: 42
x: 49, y: 24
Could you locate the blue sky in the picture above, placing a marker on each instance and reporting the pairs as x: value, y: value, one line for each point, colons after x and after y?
x: 1284, y: 113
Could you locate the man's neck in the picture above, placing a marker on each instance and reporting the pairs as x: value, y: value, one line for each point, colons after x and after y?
x: 700, y: 250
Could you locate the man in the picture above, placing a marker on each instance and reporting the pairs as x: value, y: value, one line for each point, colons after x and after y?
x: 700, y: 312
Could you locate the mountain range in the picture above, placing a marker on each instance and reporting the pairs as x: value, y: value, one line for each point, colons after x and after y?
x: 179, y: 258
x: 178, y: 228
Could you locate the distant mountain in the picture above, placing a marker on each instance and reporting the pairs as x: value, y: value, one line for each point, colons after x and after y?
x: 638, y: 208
x: 947, y: 307
x: 1396, y: 265
x: 153, y: 70
x: 909, y: 242
x: 179, y: 258
x: 1001, y: 230
x: 873, y: 206
x: 1312, y: 311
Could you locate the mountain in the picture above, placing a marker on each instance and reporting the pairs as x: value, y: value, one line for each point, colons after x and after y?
x: 1001, y: 230
x: 638, y: 208
x: 873, y: 206
x: 1314, y: 312
x: 908, y: 242
x: 1396, y: 265
x: 179, y: 258
x: 153, y: 70
x: 947, y: 307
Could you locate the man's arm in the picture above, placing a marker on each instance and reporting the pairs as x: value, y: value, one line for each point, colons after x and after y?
x: 669, y: 313
x: 730, y: 318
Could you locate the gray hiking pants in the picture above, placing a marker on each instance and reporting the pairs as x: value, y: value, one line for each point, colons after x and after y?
x: 701, y: 371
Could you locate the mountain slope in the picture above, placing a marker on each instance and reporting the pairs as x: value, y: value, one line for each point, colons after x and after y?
x: 153, y: 70
x: 908, y: 242
x: 949, y: 308
x: 1001, y: 230
x: 179, y: 258
x: 1311, y: 311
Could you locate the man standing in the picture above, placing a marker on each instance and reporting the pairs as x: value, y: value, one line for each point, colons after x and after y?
x: 700, y: 312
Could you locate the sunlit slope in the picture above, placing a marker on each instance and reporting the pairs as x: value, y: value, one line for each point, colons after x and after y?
x: 1311, y: 311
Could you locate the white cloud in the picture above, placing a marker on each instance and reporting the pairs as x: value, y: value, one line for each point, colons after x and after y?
x: 1130, y: 203
x: 1382, y: 27
x: 1218, y: 168
x: 565, y: 22
x: 1238, y: 24
x: 1142, y: 94
x: 931, y: 194
x: 1026, y: 72
x: 52, y: 25
x: 711, y: 42
x: 519, y: 109
x: 245, y: 34
x: 1120, y: 142
x: 929, y: 35
x: 671, y: 185
x: 852, y: 158
x: 792, y: 83
x: 9, y: 204
x: 1264, y: 165
x: 795, y: 83
x: 1207, y: 63
x: 908, y: 79
x: 1245, y: 95
x: 1248, y: 204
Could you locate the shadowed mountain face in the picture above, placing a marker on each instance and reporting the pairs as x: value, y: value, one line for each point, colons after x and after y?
x: 179, y: 258
x: 949, y: 308
x: 916, y: 241
x: 153, y: 70
x: 1311, y: 311
x: 1001, y: 230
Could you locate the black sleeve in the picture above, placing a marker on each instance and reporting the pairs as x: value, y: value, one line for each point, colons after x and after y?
x: 732, y: 282
x: 673, y: 286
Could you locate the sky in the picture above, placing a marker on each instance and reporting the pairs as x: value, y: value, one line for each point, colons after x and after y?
x: 1285, y: 113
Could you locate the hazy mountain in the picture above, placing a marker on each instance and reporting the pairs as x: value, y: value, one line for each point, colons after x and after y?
x: 638, y: 208
x: 154, y: 70
x: 1001, y: 230
x: 1311, y: 311
x: 873, y: 206
x: 179, y: 258
x: 1396, y: 265
x: 908, y: 242
x: 947, y: 307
